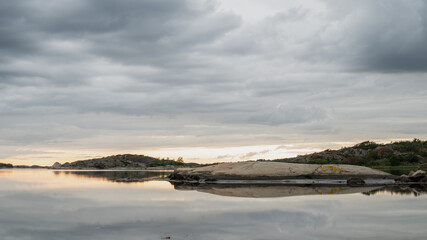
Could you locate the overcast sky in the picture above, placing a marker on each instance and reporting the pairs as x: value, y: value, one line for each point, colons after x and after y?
x: 208, y: 80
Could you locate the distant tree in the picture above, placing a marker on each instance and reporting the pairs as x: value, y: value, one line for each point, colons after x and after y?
x: 180, y: 160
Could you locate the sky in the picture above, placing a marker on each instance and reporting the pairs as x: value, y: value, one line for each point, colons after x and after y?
x: 208, y: 80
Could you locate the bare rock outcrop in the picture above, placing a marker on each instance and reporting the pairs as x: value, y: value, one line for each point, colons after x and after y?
x: 275, y: 171
x: 418, y: 176
x: 56, y: 165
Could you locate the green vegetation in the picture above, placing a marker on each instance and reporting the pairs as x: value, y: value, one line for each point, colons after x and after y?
x: 163, y: 162
x: 127, y: 161
x: 402, y: 153
x: 366, y: 145
x: 416, y: 146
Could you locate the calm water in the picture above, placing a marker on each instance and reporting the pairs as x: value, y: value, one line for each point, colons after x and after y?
x: 45, y: 205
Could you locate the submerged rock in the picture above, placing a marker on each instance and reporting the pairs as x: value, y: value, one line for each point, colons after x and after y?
x: 275, y: 171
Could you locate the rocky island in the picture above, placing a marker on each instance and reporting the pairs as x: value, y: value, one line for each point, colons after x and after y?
x: 349, y: 165
x: 256, y: 171
x: 6, y: 165
x: 125, y: 161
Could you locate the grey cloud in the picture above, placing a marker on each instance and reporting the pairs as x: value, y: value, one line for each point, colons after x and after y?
x: 374, y: 36
x: 15, y: 36
x: 358, y: 36
x: 287, y: 113
x: 127, y: 31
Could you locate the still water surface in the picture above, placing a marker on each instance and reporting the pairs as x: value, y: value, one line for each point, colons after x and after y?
x: 47, y: 205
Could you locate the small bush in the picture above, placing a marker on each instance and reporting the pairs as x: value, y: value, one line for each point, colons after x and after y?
x: 366, y: 145
x: 373, y: 155
x: 411, y: 158
x: 415, y: 146
x: 396, y: 160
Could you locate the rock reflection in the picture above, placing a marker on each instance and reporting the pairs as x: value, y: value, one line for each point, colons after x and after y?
x: 118, y: 176
x: 271, y: 191
x: 415, y: 190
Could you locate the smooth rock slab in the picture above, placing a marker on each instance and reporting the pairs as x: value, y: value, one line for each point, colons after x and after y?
x: 275, y: 170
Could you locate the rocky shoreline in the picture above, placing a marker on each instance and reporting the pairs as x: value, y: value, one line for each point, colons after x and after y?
x: 418, y: 176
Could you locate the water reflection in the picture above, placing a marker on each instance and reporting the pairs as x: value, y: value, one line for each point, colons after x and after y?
x: 272, y: 191
x: 399, y: 170
x: 243, y: 190
x: 118, y: 176
x: 5, y: 172
x: 94, y: 206
x: 415, y: 190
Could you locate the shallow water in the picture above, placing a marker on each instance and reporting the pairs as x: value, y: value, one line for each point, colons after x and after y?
x: 45, y: 205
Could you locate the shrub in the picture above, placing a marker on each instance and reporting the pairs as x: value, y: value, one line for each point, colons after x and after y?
x: 366, y: 145
x: 411, y: 158
x: 373, y: 155
x: 405, y: 146
x: 396, y: 160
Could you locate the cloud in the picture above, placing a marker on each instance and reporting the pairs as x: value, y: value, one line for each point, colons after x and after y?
x: 373, y: 36
x: 83, y: 73
x: 134, y: 32
x: 224, y: 156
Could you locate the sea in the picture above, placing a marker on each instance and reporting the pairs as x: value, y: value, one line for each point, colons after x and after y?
x: 41, y: 204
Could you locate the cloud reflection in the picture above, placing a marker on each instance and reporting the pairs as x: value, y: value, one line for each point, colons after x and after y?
x: 133, y: 211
